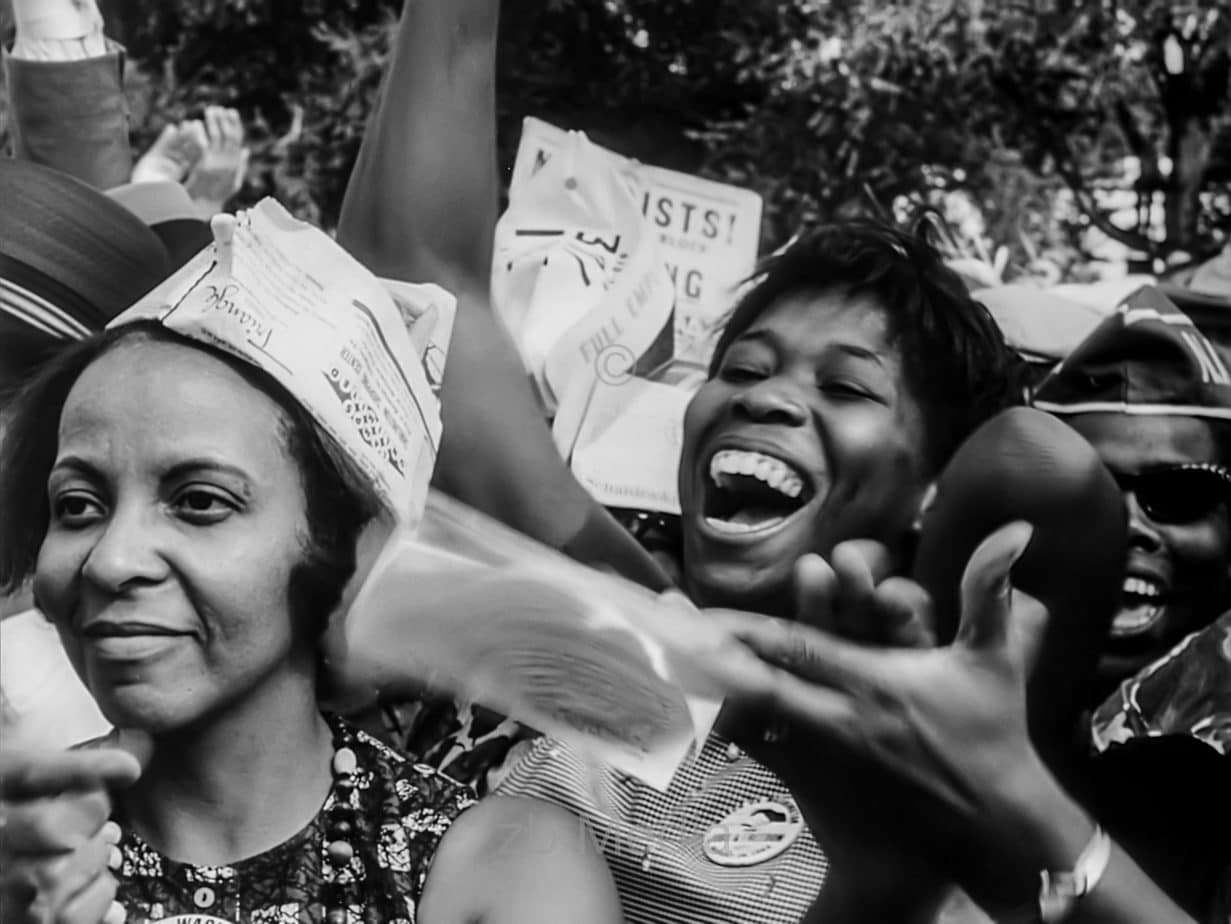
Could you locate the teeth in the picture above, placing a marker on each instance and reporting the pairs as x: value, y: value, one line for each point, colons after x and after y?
x: 741, y: 529
x: 1136, y: 619
x: 1142, y: 588
x: 773, y: 472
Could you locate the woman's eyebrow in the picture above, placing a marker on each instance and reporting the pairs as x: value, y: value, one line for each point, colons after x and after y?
x: 858, y: 352
x: 186, y: 467
x: 74, y: 463
x: 758, y: 335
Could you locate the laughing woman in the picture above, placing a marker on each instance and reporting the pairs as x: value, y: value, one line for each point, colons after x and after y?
x: 189, y: 529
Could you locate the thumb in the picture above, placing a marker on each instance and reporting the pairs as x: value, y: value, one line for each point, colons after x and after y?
x: 241, y: 170
x: 166, y: 137
x: 138, y: 744
x: 987, y: 594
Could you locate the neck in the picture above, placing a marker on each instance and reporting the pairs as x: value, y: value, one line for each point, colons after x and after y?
x: 238, y: 782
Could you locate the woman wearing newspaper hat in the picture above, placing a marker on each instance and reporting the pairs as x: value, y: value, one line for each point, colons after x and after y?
x: 190, y: 499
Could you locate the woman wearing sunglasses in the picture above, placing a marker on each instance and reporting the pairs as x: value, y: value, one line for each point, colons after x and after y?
x: 1153, y: 397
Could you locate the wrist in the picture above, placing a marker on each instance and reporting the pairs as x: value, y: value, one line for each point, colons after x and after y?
x: 1035, y: 826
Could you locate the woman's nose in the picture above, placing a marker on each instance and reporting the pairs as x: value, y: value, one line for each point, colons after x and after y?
x: 1143, y: 534
x: 771, y: 401
x: 125, y: 553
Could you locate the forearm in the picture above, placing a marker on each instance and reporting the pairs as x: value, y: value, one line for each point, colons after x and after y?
x: 66, y: 93
x: 422, y: 201
x: 1040, y: 827
x: 421, y: 206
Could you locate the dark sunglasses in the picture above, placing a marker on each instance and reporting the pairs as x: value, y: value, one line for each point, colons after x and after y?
x: 1179, y: 494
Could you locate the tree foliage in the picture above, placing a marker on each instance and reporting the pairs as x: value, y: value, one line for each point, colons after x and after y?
x: 823, y: 106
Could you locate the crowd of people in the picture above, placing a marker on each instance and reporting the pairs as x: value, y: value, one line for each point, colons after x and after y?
x: 976, y: 613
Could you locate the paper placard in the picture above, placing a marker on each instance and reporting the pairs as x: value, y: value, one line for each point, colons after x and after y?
x: 708, y: 233
x: 578, y: 279
x: 284, y: 297
x: 628, y: 450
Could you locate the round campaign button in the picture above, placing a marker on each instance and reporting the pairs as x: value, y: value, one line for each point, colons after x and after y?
x: 753, y: 833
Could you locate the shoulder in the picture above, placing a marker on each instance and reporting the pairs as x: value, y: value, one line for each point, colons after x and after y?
x: 496, y: 849
x: 504, y: 827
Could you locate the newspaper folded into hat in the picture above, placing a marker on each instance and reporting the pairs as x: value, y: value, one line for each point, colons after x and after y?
x: 466, y: 606
x: 364, y: 356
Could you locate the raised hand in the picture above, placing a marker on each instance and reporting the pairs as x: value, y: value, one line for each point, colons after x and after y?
x: 178, y: 150
x: 912, y: 747
x: 220, y: 172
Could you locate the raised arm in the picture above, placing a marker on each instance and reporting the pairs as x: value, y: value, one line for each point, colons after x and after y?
x: 66, y: 92
x: 422, y: 206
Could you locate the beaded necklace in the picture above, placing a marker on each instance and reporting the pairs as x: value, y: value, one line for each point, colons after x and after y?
x: 339, y: 887
x: 340, y: 826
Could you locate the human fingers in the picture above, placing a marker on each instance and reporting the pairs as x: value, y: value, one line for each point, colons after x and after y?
x: 758, y: 686
x: 811, y: 654
x: 816, y: 589
x: 94, y: 904
x: 166, y: 138
x: 215, y: 127
x: 987, y: 591
x: 28, y: 775
x: 906, y: 610
x: 59, y: 878
x: 52, y: 824
x: 854, y: 616
x: 232, y: 128
x: 241, y: 171
x: 193, y: 140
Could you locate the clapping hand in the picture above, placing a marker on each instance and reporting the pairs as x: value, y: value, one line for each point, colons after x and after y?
x: 178, y: 150
x: 219, y: 173
x: 910, y: 745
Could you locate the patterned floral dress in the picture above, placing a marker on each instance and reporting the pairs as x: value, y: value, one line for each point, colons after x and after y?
x: 402, y: 811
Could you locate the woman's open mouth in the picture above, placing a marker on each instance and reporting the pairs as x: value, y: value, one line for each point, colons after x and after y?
x: 750, y: 493
x: 1142, y: 603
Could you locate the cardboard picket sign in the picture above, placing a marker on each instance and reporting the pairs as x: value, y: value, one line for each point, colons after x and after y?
x: 708, y: 233
x: 364, y: 356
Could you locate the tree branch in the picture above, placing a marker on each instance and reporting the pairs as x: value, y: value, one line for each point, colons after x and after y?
x: 1072, y: 177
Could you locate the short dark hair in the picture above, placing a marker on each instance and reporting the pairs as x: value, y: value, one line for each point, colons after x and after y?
x: 954, y: 355
x: 339, y: 503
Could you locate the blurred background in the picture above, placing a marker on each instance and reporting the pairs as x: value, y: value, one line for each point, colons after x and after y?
x: 1064, y: 140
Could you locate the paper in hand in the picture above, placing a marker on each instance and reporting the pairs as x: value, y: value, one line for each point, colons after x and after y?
x: 468, y: 607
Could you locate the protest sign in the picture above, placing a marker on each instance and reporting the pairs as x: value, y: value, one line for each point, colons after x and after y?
x: 360, y: 354
x: 578, y: 280
x: 708, y: 233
